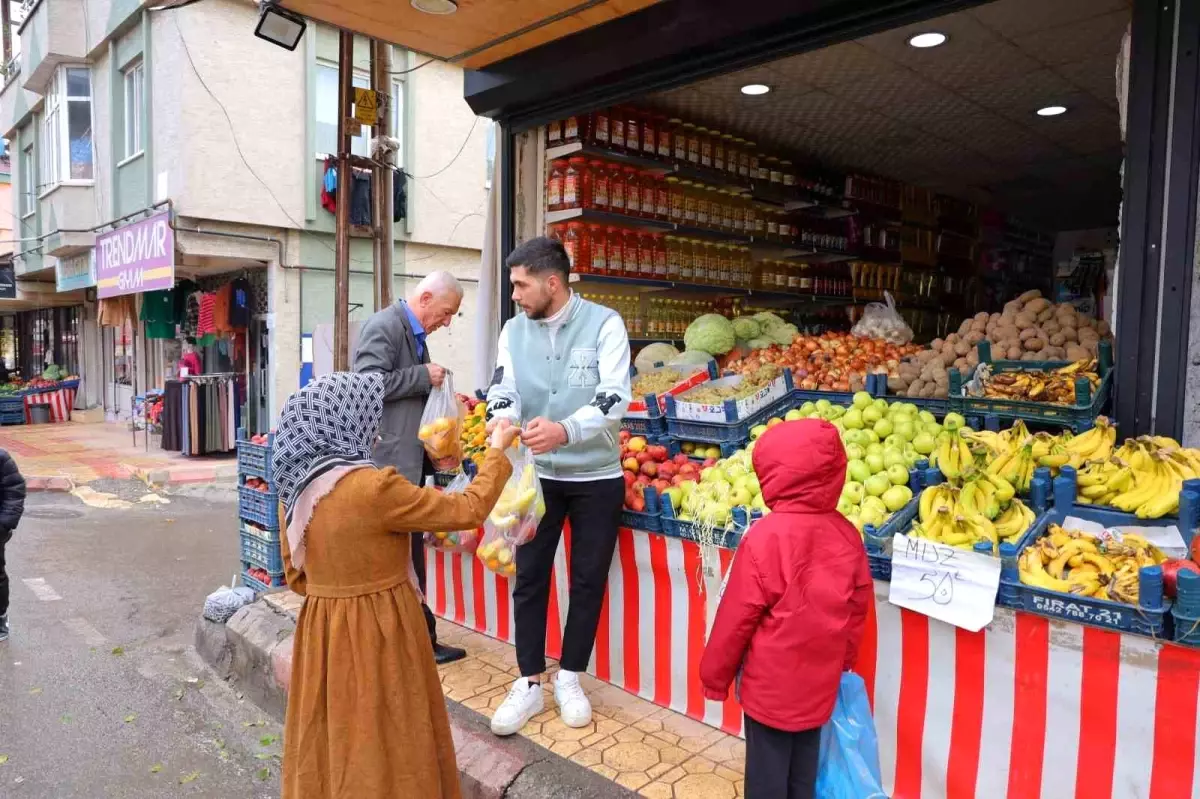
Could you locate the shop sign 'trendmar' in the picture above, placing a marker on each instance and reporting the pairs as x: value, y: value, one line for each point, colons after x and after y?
x: 136, y: 258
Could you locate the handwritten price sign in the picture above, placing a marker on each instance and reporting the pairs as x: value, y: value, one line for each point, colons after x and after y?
x: 944, y: 583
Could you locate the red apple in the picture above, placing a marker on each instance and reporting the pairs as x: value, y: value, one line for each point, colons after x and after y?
x: 661, y: 485
x: 650, y: 468
x: 668, y: 469
x: 658, y: 452
x: 643, y: 480
x: 680, y: 478
x: 709, y: 462
x: 643, y: 457
x: 624, y: 436
x: 630, y: 477
x: 638, y: 505
x: 681, y: 459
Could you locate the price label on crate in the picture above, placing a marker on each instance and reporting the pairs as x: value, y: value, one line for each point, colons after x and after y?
x: 943, y: 582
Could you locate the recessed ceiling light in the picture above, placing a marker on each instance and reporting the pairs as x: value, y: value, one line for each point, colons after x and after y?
x: 930, y: 39
x: 754, y: 89
x: 438, y: 7
x: 1052, y: 110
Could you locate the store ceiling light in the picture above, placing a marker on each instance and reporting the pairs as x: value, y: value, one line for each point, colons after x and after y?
x: 439, y: 7
x: 280, y: 26
x: 755, y: 89
x: 925, y: 40
x: 1052, y: 110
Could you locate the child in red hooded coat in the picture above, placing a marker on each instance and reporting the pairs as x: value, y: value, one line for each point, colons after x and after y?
x: 792, y: 613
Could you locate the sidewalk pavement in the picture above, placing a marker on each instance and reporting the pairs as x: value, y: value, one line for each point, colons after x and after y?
x: 58, y: 457
x: 646, y: 749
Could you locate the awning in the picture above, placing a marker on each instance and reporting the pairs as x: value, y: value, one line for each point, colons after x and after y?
x: 478, y: 33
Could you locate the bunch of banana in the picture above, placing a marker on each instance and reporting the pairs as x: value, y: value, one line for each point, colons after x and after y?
x: 956, y: 530
x: 1048, y: 450
x: 517, y: 501
x: 953, y: 456
x: 1144, y: 477
x: 984, y: 509
x: 1095, y: 444
x: 1072, y: 562
x: 1056, y: 387
x: 1016, y: 466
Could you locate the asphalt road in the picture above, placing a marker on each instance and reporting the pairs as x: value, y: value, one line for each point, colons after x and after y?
x: 101, y: 694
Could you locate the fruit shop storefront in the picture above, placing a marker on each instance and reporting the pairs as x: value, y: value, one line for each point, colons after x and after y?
x: 997, y: 168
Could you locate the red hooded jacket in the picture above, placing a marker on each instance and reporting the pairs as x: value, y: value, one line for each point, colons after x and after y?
x: 792, y: 614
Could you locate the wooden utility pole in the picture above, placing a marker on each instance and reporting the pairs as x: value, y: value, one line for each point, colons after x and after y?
x: 6, y: 21
x: 341, y: 266
x: 381, y: 205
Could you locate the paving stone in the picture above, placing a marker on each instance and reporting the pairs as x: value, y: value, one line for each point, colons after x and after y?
x: 657, y: 790
x: 704, y: 786
x: 630, y: 757
x: 632, y: 780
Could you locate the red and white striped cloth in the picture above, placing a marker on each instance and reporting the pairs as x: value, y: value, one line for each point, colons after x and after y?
x: 60, y: 400
x: 1027, y: 709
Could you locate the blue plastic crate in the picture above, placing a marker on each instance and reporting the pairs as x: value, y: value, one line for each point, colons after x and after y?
x: 259, y: 507
x: 648, y: 426
x: 675, y: 446
x: 262, y: 553
x: 277, y: 581
x: 254, y: 460
x: 12, y: 404
x: 735, y: 426
x: 654, y: 423
x: 679, y: 528
x: 648, y: 519
x: 12, y: 418
x: 1150, y: 617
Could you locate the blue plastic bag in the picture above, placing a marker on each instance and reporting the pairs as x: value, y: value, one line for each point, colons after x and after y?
x: 849, y: 764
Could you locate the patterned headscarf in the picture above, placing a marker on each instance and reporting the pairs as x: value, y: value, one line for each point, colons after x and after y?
x: 332, y: 422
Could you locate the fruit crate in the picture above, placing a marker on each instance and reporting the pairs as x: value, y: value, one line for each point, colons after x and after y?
x: 259, y: 507
x: 262, y: 553
x: 649, y: 519
x: 1150, y: 617
x: 675, y: 446
x: 646, y: 416
x: 876, y: 386
x: 681, y: 528
x: 258, y: 531
x: 731, y: 420
x: 12, y: 417
x: 1079, y: 417
x: 12, y: 404
x: 277, y: 580
x: 254, y: 460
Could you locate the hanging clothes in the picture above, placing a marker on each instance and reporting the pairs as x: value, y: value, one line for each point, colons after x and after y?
x: 190, y: 327
x: 172, y: 408
x: 116, y: 311
x: 222, y: 300
x: 329, y: 185
x: 360, y: 199
x: 399, y: 195
x: 159, y: 314
x: 240, y: 303
x: 206, y: 324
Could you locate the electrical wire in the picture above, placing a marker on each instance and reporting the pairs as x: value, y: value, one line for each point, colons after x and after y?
x: 466, y: 141
x: 413, y: 69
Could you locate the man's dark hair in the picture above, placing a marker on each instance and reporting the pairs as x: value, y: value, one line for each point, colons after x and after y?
x: 541, y: 255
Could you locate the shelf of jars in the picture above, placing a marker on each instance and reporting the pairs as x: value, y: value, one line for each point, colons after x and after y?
x: 602, y: 282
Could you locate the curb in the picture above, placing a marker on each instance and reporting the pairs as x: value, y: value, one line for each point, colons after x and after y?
x: 253, y: 652
x: 38, y: 483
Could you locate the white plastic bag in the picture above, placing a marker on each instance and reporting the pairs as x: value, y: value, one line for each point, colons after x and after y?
x: 883, y: 321
x: 457, y: 540
x: 441, y: 426
x: 514, y: 520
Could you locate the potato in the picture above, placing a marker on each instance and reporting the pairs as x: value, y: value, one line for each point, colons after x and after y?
x: 1077, y: 353
x: 1028, y: 333
x: 1035, y: 345
x: 915, y: 387
x: 929, y: 392
x: 1070, y: 334
x: 1037, y: 305
x: 1013, y: 352
x: 1031, y: 356
x: 1025, y: 321
x: 973, y: 339
x: 1103, y: 328
x: 995, y: 317
x: 973, y: 359
x: 1058, y: 340
x: 1054, y: 354
x: 1013, y: 308
x: 1051, y: 327
x: 965, y: 326
x: 1032, y: 294
x: 948, y: 357
x: 1045, y: 316
x: 936, y: 344
x: 962, y: 348
x: 953, y: 338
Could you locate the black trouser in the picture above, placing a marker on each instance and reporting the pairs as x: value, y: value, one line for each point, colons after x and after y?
x: 4, y: 536
x: 594, y: 508
x: 418, y: 559
x: 780, y: 764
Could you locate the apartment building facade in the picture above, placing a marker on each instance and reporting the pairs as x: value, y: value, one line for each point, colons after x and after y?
x: 117, y: 111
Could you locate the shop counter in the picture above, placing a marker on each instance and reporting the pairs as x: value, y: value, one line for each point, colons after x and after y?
x: 61, y: 400
x: 1029, y: 707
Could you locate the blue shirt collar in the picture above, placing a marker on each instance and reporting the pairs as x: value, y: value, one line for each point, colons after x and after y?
x: 417, y: 329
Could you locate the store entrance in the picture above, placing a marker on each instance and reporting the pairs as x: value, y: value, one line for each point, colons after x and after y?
x: 954, y: 165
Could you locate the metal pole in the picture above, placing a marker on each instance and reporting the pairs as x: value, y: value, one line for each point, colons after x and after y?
x: 382, y: 207
x: 341, y: 266
x: 6, y: 37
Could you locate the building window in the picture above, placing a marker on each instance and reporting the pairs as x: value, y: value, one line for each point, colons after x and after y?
x: 67, y: 128
x: 134, y: 87
x: 327, y: 112
x: 28, y: 186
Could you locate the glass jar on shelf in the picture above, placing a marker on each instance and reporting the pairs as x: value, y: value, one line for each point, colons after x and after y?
x: 633, y: 191
x: 601, y: 179
x: 662, y: 198
x: 659, y: 256
x: 648, y: 185
x: 676, y: 200
x: 747, y: 261
x: 705, y: 147
x: 554, y: 184
x: 789, y: 172
x: 666, y: 134
x: 554, y: 133
x: 693, y: 143
x: 690, y: 203
x: 573, y: 243
x: 646, y: 255
x: 725, y: 264
x: 703, y: 205
x: 631, y: 256
x: 753, y: 161
x: 633, y: 130
x: 599, y: 244
x: 616, y: 189
x: 671, y: 256
x: 793, y: 278
x: 572, y: 131
x: 615, y: 250
x: 574, y: 183
x: 718, y: 150
x: 743, y: 160
x: 679, y: 145
x: 616, y: 128
x: 687, y: 261
x: 596, y: 128
x: 805, y: 284
x: 728, y: 144
x: 772, y: 223
x: 770, y: 167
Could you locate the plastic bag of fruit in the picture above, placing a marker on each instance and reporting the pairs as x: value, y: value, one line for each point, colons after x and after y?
x: 458, y: 540
x: 883, y: 321
x: 514, y: 520
x: 441, y: 426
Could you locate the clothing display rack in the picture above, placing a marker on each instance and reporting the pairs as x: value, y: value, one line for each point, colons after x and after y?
x: 201, y: 414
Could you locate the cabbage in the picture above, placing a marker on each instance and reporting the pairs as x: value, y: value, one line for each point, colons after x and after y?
x: 691, y: 358
x: 651, y: 354
x: 746, y: 327
x: 759, y: 343
x: 711, y: 333
x: 783, y: 334
x: 768, y: 321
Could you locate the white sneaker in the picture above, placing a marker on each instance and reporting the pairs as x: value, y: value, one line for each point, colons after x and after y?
x: 573, y: 704
x: 524, y: 701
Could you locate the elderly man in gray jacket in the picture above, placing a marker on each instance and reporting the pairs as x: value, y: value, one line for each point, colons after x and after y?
x: 392, y: 344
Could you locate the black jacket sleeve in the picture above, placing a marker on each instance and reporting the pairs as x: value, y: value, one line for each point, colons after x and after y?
x: 12, y: 493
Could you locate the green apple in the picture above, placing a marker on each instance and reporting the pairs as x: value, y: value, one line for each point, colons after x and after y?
x: 871, y: 415
x: 823, y: 405
x: 710, y: 474
x: 905, y: 408
x: 894, y: 442
x: 838, y: 424
x: 898, y: 475
x: 883, y: 428
x: 904, y: 428
x: 837, y: 412
x: 875, y: 448
x: 876, y: 484
x: 853, y: 420
x: 675, y: 495
x: 740, y: 496
x: 854, y: 492
x: 845, y: 507
x: 862, y: 399
x: 953, y: 422
x: 793, y: 415
x: 758, y: 503
x: 925, y: 417
x: 757, y: 431
x: 859, y: 470
x: 875, y: 504
x: 874, y: 461
x: 893, y: 457
x: 809, y: 408
x: 855, y: 452
x: 896, y: 497
x: 870, y: 437
x: 747, y: 482
x: 871, y: 516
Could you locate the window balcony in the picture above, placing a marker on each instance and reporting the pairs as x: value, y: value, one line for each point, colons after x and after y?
x: 54, y: 32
